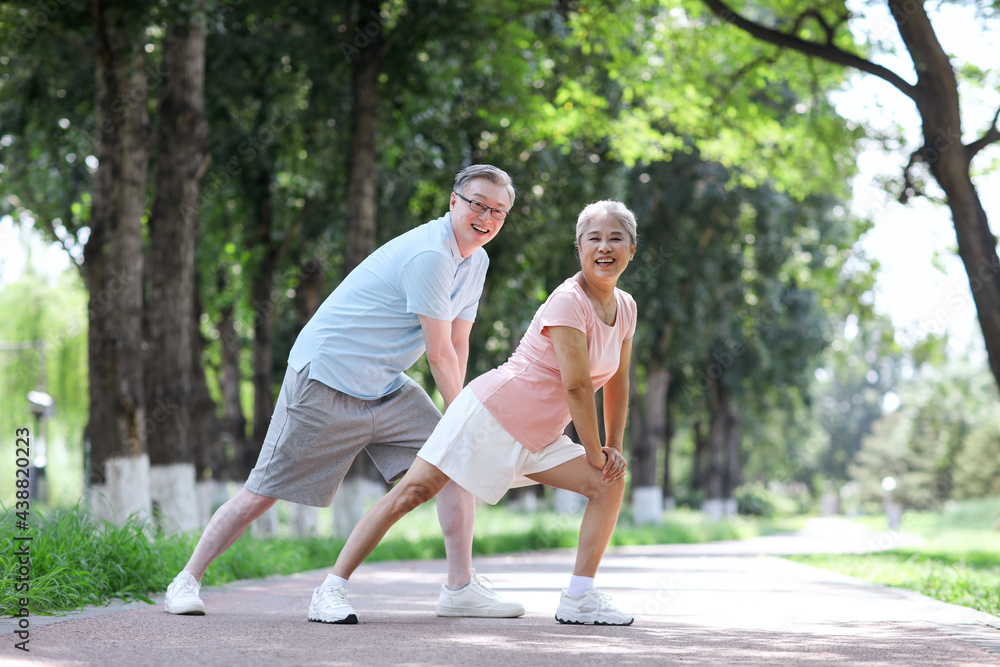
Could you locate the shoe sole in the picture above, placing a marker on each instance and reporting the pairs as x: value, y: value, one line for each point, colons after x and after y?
x: 351, y: 619
x: 186, y: 610
x: 477, y: 613
x: 566, y: 621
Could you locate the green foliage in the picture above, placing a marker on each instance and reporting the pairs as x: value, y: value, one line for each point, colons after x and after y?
x: 578, y: 101
x: 82, y: 561
x: 53, y: 313
x: 977, y: 465
x: 972, y: 583
x: 928, y: 443
x: 977, y: 514
x: 862, y: 366
x: 757, y: 500
x: 958, y: 563
x: 78, y: 561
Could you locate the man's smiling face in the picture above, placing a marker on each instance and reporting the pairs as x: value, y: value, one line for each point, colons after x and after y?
x: 474, y: 230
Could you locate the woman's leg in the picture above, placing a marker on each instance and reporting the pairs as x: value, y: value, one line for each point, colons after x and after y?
x: 420, y: 483
x: 601, y: 515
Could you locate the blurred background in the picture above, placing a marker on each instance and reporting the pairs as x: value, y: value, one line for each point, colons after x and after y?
x: 182, y: 184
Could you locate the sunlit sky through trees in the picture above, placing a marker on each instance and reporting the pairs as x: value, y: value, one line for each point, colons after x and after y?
x: 922, y: 284
x: 910, y: 241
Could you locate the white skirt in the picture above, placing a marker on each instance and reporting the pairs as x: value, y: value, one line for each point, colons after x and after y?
x: 470, y: 447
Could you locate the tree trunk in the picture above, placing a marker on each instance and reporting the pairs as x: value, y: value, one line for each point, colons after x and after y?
x: 263, y: 344
x: 734, y: 458
x: 648, y: 429
x: 936, y: 96
x: 365, y: 67
x: 363, y: 477
x: 234, y: 422
x: 718, y: 429
x: 698, y: 458
x: 211, y: 469
x: 181, y: 141
x: 308, y: 293
x: 937, y: 99
x: 669, y: 503
x: 118, y: 459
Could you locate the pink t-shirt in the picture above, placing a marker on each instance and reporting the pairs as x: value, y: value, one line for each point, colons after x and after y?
x: 526, y: 394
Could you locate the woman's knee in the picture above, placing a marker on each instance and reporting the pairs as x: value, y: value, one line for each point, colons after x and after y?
x: 599, y: 490
x: 411, y: 496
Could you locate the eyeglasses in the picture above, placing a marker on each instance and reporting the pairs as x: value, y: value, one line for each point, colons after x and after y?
x: 497, y: 214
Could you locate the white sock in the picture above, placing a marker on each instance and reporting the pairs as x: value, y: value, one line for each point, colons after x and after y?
x: 579, y: 585
x: 334, y: 580
x: 460, y: 587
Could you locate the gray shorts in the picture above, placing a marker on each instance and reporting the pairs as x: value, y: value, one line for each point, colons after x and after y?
x: 316, y: 432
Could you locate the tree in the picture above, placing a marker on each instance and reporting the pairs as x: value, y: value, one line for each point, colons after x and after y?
x: 113, y: 261
x: 100, y: 104
x: 182, y: 136
x: 822, y: 33
x: 938, y: 443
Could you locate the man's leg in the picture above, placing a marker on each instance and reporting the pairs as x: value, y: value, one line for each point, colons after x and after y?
x: 466, y: 594
x: 407, y: 424
x: 456, y: 510
x: 227, y: 525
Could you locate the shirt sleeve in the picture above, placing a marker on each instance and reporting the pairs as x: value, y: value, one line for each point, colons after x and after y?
x: 632, y: 315
x: 425, y: 281
x: 564, y: 310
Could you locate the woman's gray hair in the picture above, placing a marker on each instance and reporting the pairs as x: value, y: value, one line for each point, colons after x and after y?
x: 492, y: 174
x: 615, y: 209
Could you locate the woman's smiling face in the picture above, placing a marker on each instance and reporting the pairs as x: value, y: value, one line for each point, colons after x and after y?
x: 605, y: 249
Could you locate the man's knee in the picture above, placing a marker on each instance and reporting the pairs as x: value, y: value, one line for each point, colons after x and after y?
x: 251, y: 504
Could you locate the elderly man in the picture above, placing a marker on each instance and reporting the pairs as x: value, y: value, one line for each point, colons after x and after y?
x: 345, y: 391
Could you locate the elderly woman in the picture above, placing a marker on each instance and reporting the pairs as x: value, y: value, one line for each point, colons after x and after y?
x: 506, y: 428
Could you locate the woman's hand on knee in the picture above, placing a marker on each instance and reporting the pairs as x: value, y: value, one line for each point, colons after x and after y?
x: 615, y: 464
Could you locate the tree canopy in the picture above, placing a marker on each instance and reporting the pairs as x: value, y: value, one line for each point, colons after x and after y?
x: 331, y: 129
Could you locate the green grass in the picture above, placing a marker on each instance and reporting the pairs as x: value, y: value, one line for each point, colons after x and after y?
x: 959, y: 561
x: 78, y: 560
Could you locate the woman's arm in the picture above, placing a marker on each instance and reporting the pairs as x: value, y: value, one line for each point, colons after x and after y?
x: 574, y: 368
x: 616, y: 399
x: 616, y: 405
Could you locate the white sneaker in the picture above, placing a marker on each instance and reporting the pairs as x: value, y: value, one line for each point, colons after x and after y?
x: 476, y: 600
x: 329, y: 605
x: 591, y: 608
x: 182, y: 596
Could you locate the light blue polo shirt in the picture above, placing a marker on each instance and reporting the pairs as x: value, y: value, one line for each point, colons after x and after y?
x: 366, y: 333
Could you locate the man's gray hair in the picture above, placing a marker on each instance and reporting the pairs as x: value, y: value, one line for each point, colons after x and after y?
x: 615, y: 209
x: 490, y: 173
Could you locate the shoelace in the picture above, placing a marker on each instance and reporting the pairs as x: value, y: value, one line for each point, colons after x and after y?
x: 186, y: 587
x: 604, y: 601
x: 336, y: 594
x: 483, y: 588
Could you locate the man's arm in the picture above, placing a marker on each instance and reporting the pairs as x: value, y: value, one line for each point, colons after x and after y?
x: 460, y: 330
x: 447, y: 346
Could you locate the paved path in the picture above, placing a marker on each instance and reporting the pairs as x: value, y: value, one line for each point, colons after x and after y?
x: 721, y: 603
